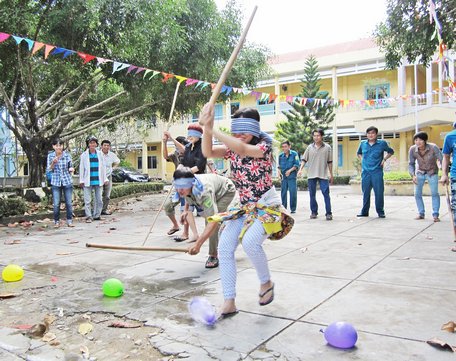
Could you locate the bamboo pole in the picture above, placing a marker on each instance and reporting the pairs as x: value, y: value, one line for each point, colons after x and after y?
x: 231, y: 60
x: 132, y: 248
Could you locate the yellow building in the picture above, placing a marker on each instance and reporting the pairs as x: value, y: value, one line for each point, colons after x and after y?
x: 352, y: 73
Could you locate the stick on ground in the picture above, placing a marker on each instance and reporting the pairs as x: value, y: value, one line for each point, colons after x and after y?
x: 132, y: 248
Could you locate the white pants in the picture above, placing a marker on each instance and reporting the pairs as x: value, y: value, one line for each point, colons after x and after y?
x: 252, y: 242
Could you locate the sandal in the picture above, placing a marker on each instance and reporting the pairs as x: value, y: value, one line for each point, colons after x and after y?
x: 172, y: 231
x: 180, y: 239
x: 212, y: 262
x: 270, y: 299
x: 228, y: 314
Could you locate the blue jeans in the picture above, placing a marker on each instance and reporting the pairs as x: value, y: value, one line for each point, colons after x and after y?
x: 369, y: 180
x: 68, y: 194
x: 433, y: 181
x: 289, y: 184
x: 324, y: 187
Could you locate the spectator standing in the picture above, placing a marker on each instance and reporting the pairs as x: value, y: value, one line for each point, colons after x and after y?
x: 318, y: 155
x: 288, y: 169
x: 92, y: 177
x: 60, y: 167
x: 371, y: 152
x: 111, y: 161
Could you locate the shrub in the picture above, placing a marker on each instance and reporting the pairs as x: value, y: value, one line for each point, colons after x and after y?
x: 397, y: 176
x: 123, y: 190
x: 302, y: 182
x: 12, y: 207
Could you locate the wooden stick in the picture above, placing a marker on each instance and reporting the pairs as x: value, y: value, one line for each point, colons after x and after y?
x: 231, y: 60
x: 158, y: 213
x: 130, y: 248
x: 173, y: 105
x: 450, y: 210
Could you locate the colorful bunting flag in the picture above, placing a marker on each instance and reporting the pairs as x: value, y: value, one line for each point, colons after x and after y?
x: 37, y: 47
x: 4, y: 36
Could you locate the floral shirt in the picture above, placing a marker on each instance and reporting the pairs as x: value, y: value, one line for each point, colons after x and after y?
x: 251, y: 176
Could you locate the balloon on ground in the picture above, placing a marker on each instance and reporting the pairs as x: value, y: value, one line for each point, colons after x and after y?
x: 202, y: 311
x: 12, y: 273
x: 341, y: 335
x: 112, y: 287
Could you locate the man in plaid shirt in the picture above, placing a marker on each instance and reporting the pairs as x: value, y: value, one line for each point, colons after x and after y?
x: 60, y: 166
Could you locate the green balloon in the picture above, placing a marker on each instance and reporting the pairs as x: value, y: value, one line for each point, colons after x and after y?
x: 112, y: 287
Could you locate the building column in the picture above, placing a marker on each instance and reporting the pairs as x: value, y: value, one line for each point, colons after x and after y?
x: 440, y: 83
x: 403, y: 153
x: 401, y: 75
x: 144, y: 157
x: 277, y: 100
x: 334, y: 133
x: 429, y: 85
x: 451, y: 74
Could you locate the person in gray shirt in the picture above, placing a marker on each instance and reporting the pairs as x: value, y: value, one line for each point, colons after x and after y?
x: 424, y: 163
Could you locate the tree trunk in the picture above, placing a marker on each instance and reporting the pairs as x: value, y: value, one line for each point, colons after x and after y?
x: 36, y: 151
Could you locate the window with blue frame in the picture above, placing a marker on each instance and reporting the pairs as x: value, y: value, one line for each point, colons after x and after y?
x: 234, y: 107
x: 265, y: 108
x: 218, y: 111
x: 340, y: 156
x: 377, y: 92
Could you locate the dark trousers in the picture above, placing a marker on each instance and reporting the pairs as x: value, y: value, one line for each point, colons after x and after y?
x: 289, y: 185
x: 373, y: 180
x: 324, y: 187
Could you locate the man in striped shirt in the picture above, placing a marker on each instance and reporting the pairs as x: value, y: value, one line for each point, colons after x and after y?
x: 92, y: 177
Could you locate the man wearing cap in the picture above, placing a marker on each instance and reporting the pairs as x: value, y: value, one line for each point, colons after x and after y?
x: 111, y: 160
x: 449, y: 148
x: 92, y: 177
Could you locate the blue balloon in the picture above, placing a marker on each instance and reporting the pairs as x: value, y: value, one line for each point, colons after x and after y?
x: 202, y: 311
x: 341, y: 335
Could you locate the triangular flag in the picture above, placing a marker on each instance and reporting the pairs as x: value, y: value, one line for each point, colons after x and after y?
x: 190, y: 82
x: 131, y: 68
x: 246, y: 91
x: 213, y: 86
x: 166, y: 77
x: 67, y: 53
x: 102, y: 61
x: 47, y: 50
x: 205, y: 84
x: 30, y: 43
x: 228, y: 90
x: 18, y: 39
x: 180, y: 78
x: 139, y: 70
x: 147, y: 72
x: 37, y: 46
x: 58, y: 51
x: 199, y: 83
x: 224, y: 88
x: 86, y: 57
x: 119, y: 66
x: 4, y: 36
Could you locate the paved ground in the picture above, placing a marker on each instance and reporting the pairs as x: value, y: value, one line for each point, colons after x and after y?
x: 392, y: 278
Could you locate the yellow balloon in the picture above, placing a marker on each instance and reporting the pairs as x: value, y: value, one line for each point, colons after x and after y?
x: 12, y: 273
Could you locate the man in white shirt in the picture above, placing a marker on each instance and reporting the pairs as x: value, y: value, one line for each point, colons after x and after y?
x: 110, y: 161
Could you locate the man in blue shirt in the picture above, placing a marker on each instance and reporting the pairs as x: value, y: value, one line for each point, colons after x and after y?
x: 371, y: 153
x: 288, y: 169
x: 449, y: 147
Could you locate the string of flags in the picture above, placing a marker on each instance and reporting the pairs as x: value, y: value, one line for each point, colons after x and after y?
x: 53, y: 50
x: 442, y: 58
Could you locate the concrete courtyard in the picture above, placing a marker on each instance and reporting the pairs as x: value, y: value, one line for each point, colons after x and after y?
x: 392, y: 278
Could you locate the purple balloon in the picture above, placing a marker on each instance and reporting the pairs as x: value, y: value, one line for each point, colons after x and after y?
x: 202, y: 311
x: 341, y: 335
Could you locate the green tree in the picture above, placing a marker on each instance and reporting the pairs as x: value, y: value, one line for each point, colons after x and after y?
x: 407, y: 31
x: 54, y: 97
x: 302, y: 119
